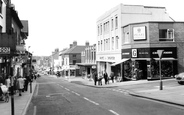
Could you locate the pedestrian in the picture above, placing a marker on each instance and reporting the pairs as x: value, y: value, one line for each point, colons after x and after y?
x: 20, y: 85
x: 95, y: 77
x: 100, y: 77
x: 105, y: 77
x: 26, y: 82
x: 7, y: 82
x: 112, y: 77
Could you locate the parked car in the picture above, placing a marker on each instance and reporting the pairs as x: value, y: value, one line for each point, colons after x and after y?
x: 180, y: 78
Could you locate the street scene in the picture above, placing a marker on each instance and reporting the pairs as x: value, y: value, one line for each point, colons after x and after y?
x: 91, y: 57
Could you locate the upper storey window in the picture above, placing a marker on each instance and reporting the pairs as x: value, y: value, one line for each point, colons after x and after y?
x: 166, y: 34
x: 1, y: 3
x: 116, y: 22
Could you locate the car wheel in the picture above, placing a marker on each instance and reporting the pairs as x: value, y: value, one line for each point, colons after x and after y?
x: 181, y: 82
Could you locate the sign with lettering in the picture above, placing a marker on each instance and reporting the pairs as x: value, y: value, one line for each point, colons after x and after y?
x: 4, y: 50
x: 139, y: 33
x: 134, y: 52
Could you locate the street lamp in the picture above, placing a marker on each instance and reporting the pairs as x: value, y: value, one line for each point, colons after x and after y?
x: 160, y: 52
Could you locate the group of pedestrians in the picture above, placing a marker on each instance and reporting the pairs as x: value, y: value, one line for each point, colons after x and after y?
x: 98, y: 77
x: 19, y: 83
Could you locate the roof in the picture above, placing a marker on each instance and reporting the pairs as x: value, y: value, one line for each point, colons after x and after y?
x: 153, y: 22
x: 75, y: 49
x: 25, y: 27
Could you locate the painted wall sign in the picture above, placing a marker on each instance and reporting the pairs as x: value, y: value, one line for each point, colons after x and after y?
x: 139, y: 33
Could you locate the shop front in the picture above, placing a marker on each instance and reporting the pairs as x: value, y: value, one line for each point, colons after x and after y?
x: 104, y: 63
x: 144, y: 63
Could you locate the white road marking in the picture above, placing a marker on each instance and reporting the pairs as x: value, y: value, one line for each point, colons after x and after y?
x: 91, y: 101
x: 113, y: 112
x: 36, y: 93
x: 35, y: 109
x: 67, y: 89
x: 77, y: 94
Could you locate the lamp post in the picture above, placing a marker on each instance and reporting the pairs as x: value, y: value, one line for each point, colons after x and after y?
x: 30, y: 69
x: 160, y: 52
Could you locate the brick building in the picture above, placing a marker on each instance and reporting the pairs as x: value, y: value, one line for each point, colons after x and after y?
x: 139, y: 50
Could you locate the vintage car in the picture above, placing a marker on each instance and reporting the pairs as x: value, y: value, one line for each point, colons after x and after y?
x: 180, y: 78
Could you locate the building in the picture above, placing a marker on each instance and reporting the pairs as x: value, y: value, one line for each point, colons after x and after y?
x: 88, y: 60
x: 12, y: 41
x: 109, y: 31
x: 55, y: 61
x: 140, y: 45
x: 71, y: 57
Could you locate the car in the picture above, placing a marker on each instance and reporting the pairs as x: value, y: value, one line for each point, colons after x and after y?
x: 180, y: 78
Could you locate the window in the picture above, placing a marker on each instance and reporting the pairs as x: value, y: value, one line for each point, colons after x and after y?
x: 104, y: 44
x: 98, y: 45
x: 108, y: 43
x: 1, y: 6
x: 74, y: 62
x: 116, y: 22
x: 101, y: 29
x: 112, y: 43
x: 101, y: 44
x: 166, y: 35
x: 126, y: 37
x: 74, y: 56
x: 0, y: 29
x: 117, y: 40
x: 112, y: 24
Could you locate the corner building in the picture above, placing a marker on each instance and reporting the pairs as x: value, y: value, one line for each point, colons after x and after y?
x: 110, y: 34
x: 141, y: 41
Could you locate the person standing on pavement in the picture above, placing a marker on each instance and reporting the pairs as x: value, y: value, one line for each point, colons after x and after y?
x: 95, y: 78
x: 20, y: 85
x: 105, y: 77
x: 112, y: 77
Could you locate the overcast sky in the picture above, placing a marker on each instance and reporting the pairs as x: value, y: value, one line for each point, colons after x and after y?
x: 57, y: 23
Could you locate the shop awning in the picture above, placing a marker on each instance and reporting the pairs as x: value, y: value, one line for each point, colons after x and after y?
x: 118, y: 62
x: 165, y: 58
x: 86, y: 64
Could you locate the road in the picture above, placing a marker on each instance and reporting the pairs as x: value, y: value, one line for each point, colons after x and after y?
x: 55, y: 96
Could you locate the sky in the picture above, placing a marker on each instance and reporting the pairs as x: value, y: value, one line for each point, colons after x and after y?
x: 57, y: 23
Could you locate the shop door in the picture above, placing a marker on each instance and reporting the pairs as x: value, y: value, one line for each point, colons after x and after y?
x: 143, y: 69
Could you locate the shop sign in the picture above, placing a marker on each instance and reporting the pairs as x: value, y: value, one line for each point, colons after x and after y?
x: 4, y: 50
x: 168, y: 52
x: 134, y: 52
x: 139, y: 33
x: 126, y: 53
x: 107, y: 58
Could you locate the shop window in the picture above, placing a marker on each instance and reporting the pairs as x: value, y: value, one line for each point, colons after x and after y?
x: 166, y: 35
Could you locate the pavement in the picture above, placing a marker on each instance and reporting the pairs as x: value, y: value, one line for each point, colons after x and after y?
x: 21, y: 103
x: 172, y: 95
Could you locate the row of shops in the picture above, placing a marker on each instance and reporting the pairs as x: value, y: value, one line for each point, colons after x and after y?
x: 143, y: 63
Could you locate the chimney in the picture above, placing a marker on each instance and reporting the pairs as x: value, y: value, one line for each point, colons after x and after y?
x: 74, y: 43
x: 87, y: 43
x: 71, y: 45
